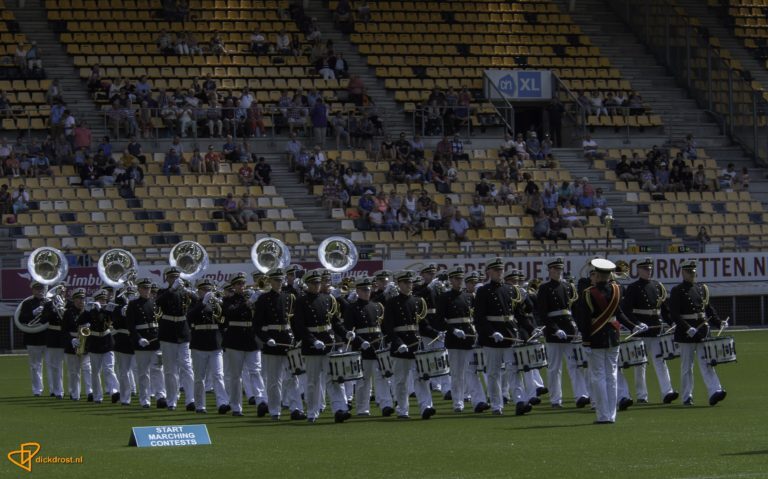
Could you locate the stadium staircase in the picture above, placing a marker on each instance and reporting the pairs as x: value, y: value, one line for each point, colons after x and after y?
x: 57, y: 64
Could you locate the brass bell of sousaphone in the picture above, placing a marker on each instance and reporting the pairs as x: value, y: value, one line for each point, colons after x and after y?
x: 117, y: 268
x: 268, y: 253
x: 47, y: 266
x: 190, y: 257
x: 337, y: 254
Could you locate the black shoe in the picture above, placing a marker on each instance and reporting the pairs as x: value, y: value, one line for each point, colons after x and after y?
x: 603, y: 422
x: 482, y: 407
x: 312, y: 420
x: 297, y: 415
x: 191, y: 407
x: 496, y: 412
x: 412, y: 395
x: 624, y: 404
x: 96, y: 402
x: 428, y: 413
x: 60, y: 397
x: 201, y: 411
x: 275, y: 417
x: 262, y: 409
x: 237, y: 414
x: 582, y: 401
x: 52, y: 395
x: 115, y: 397
x: 717, y: 397
x: 37, y: 395
x: 541, y: 391
x: 671, y: 397
x: 642, y: 401
x: 557, y: 406
x: 387, y: 411
x: 402, y: 416
x: 447, y: 396
x: 162, y: 403
x: 171, y: 408
x: 505, y: 399
x: 146, y: 406
x: 534, y: 401
x: 688, y: 402
x: 90, y: 397
x: 224, y: 408
x: 341, y: 416
x: 252, y: 401
x: 522, y: 408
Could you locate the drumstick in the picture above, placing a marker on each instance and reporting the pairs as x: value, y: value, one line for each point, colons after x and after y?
x: 349, y: 341
x: 513, y: 339
x: 435, y: 339
x: 722, y: 326
x: 283, y: 345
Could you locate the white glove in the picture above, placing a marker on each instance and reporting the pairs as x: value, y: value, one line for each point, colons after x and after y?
x: 691, y: 332
x: 352, y: 297
x: 350, y: 335
x: 459, y: 333
x: 497, y: 337
x: 441, y: 336
x: 319, y: 345
x: 253, y: 296
x: 587, y: 350
x: 75, y: 343
x: 89, y: 306
x: 271, y: 343
x: 365, y: 345
x: 641, y: 327
x: 110, y: 307
x: 336, y: 293
x: 207, y: 297
x: 124, y: 310
x: 96, y: 306
x: 37, y: 310
x: 177, y: 284
x: 86, y: 325
x: 143, y: 342
x: 561, y: 334
x: 402, y: 349
x: 724, y: 324
x: 297, y: 284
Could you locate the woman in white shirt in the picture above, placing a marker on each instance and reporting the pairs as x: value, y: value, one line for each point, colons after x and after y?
x: 568, y: 215
x: 350, y: 182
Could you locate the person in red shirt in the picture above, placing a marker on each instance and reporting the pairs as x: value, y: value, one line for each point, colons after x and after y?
x: 212, y: 160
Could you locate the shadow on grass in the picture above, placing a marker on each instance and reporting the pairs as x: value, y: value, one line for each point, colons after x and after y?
x: 747, y: 453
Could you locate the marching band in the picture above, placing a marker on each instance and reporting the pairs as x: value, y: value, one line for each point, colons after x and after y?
x: 291, y: 338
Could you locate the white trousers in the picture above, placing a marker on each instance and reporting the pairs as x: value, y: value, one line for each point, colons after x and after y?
x: 653, y: 348
x: 243, y: 367
x: 464, y: 380
x: 687, y: 353
x: 124, y: 375
x: 103, y: 363
x: 371, y: 375
x: 556, y: 353
x: 532, y: 380
x: 278, y: 379
x: 402, y: 370
x: 148, y: 381
x: 36, y: 354
x: 54, y: 358
x: 75, y: 366
x: 317, y: 368
x: 177, y: 369
x: 202, y: 363
x: 493, y: 359
x: 603, y: 366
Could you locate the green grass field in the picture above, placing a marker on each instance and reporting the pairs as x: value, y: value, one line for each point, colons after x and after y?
x: 650, y: 441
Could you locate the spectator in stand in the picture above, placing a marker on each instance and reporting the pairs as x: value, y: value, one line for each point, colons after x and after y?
x: 297, y: 116
x: 350, y: 182
x: 476, y: 214
x: 521, y: 148
x: 434, y: 220
x: 229, y: 150
x: 703, y: 238
x: 590, y: 148
x: 727, y: 177
x: 172, y: 163
x: 365, y: 180
x: 417, y: 148
x: 41, y: 165
x: 340, y: 130
x: 403, y: 147
x: 355, y: 90
x: 458, y: 227
x: 196, y: 162
x: 534, y: 148
x: 232, y: 213
x: 89, y: 175
x: 248, y: 208
x: 549, y: 201
x: 245, y: 174
x: 541, y: 226
x: 623, y: 171
x: 534, y: 203
x: 340, y: 65
x: 56, y: 118
x: 387, y: 149
x: 596, y: 104
x: 570, y: 216
x: 13, y: 166
x: 319, y: 117
x: 366, y: 204
x: 292, y: 151
x: 585, y: 204
x: 556, y: 225
x: 283, y: 43
x: 331, y: 193
x: 259, y: 45
x: 700, y: 179
x: 263, y: 172
x: 406, y: 221
x: 636, y: 104
x: 396, y: 172
x: 20, y: 199
x: 600, y: 203
x: 213, y: 115
x: 255, y: 120
x: 211, y: 161
x: 690, y: 151
x: 5, y: 200
x: 743, y: 179
x: 483, y: 189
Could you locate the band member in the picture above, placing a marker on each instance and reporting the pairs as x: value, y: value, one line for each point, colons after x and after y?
x: 292, y: 282
x: 174, y: 302
x: 99, y: 345
x: 141, y: 321
x: 242, y: 358
x: 273, y: 312
x: 364, y: 317
x: 524, y: 312
x: 205, y: 319
x: 404, y: 320
x: 430, y: 288
x: 471, y: 282
x: 315, y: 322
x: 598, y: 315
x: 54, y: 350
x: 555, y: 298
x: 644, y: 303
x: 454, y: 315
x: 383, y: 288
x: 123, y: 347
x: 71, y: 325
x: 31, y: 311
x: 689, y: 308
x: 497, y: 331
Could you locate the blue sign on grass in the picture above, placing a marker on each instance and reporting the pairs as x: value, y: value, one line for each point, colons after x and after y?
x: 165, y: 436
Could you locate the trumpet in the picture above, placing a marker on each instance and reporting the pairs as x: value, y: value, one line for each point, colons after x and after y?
x: 622, y: 270
x: 533, y: 286
x: 347, y: 285
x: 82, y: 336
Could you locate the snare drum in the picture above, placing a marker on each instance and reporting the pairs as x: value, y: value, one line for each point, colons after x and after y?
x: 632, y: 353
x: 478, y: 359
x: 345, y: 366
x: 296, y: 364
x: 669, y: 348
x: 578, y: 355
x: 385, y: 362
x: 431, y: 364
x: 530, y: 356
x: 718, y: 350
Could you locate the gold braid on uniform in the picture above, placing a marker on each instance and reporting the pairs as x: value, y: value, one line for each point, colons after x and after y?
x: 662, y: 295
x: 519, y: 295
x: 423, y: 314
x: 380, y: 313
x: 573, y: 294
x: 705, y: 299
x: 157, y: 313
x: 291, y: 299
x: 333, y: 311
